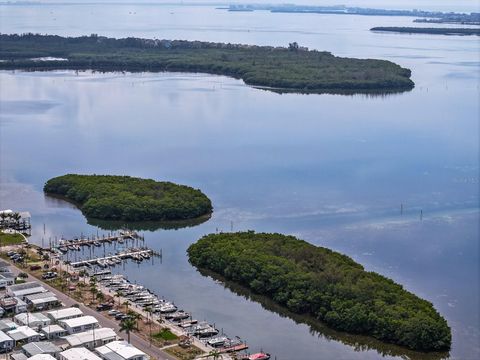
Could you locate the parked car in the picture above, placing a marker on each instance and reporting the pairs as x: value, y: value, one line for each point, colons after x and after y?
x: 113, y: 312
x: 103, y: 307
x: 119, y: 316
x: 49, y: 275
x: 35, y: 267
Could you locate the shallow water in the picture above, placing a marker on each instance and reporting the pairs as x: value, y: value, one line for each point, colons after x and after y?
x: 330, y: 169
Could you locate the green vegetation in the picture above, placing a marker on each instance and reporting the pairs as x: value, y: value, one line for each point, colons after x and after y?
x: 432, y: 31
x: 165, y: 334
x: 10, y: 239
x: 324, y: 284
x: 130, y: 199
x: 290, y: 69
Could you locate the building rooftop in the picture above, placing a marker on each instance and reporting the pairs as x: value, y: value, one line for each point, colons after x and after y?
x: 79, y: 321
x: 4, y: 337
x: 52, y: 329
x: 27, y: 318
x: 6, y: 324
x: 3, y: 264
x: 119, y: 350
x: 22, y: 332
x: 18, y: 356
x: 41, y: 298
x: 43, y: 347
x: 65, y: 313
x: 88, y: 336
x: 28, y: 285
x: 79, y: 353
x: 42, y: 357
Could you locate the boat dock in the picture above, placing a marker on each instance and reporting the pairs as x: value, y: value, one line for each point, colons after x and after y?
x: 135, y: 254
x: 65, y: 245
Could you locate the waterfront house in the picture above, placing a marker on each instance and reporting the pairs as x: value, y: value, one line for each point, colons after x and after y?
x: 64, y: 314
x: 22, y: 290
x: 79, y: 324
x: 92, y: 338
x: 42, y: 300
x: 43, y: 347
x: 79, y: 353
x: 24, y: 334
x: 6, y: 342
x: 33, y: 320
x: 53, y: 331
x: 120, y: 350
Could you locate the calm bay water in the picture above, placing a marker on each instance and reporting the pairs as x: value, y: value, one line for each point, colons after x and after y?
x: 330, y: 169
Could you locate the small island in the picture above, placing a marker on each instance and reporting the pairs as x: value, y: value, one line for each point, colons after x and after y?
x: 282, y: 69
x: 325, y: 285
x: 128, y: 198
x: 431, y: 31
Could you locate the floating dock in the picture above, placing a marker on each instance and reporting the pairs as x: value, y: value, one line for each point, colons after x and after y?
x: 136, y: 254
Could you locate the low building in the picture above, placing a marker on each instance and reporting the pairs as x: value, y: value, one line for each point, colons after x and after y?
x: 79, y: 353
x: 7, y: 325
x: 8, y: 303
x: 120, y: 350
x: 92, y: 338
x: 43, y: 347
x: 4, y: 266
x: 6, y: 279
x: 20, y: 306
x: 42, y: 357
x: 53, y: 331
x: 64, y: 314
x: 18, y: 356
x: 6, y: 342
x: 33, y: 320
x: 79, y: 324
x: 42, y: 301
x: 24, y: 333
x: 22, y: 290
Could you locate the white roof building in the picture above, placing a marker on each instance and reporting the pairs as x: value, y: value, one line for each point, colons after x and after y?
x: 22, y: 290
x: 121, y: 350
x: 41, y: 300
x: 34, y: 320
x: 87, y: 338
x: 53, y: 331
x: 79, y: 353
x: 64, y: 314
x: 79, y: 324
x: 42, y: 357
x: 24, y: 333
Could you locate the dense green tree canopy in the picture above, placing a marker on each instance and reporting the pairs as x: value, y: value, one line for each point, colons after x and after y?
x: 327, y: 285
x: 291, y: 69
x: 128, y: 198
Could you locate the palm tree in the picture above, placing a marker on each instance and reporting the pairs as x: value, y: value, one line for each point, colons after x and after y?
x: 93, y: 290
x: 135, y: 316
x: 126, y: 303
x: 100, y: 296
x: 118, y: 295
x: 149, y: 311
x: 215, y: 354
x: 127, y: 325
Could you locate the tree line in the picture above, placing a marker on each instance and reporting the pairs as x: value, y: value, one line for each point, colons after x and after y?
x: 130, y: 199
x: 324, y: 284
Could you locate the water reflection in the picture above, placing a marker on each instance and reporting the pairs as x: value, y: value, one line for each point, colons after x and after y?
x: 112, y: 225
x: 359, y: 343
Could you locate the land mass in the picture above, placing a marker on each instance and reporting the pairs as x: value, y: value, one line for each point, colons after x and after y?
x: 294, y: 68
x: 129, y: 199
x: 422, y: 15
x: 433, y: 31
x: 325, y: 285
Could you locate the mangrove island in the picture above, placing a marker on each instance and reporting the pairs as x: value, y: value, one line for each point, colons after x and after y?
x: 293, y: 68
x: 128, y: 198
x: 324, y: 284
x: 430, y: 31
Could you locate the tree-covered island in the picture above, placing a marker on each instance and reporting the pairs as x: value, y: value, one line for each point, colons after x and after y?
x: 324, y: 284
x: 129, y: 199
x: 292, y: 68
x: 430, y: 31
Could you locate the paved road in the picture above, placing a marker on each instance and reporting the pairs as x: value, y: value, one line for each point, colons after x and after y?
x: 104, y: 321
